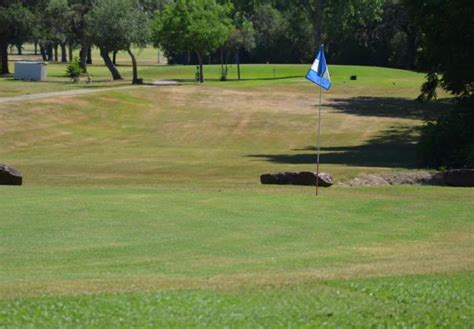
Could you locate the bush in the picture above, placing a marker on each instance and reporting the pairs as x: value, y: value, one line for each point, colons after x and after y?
x: 74, y: 70
x: 449, y: 141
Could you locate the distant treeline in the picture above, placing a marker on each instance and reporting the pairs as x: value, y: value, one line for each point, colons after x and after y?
x: 365, y: 32
x: 431, y: 35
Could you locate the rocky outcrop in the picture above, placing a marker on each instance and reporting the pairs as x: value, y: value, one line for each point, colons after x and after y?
x: 297, y: 178
x: 455, y: 177
x: 10, y: 176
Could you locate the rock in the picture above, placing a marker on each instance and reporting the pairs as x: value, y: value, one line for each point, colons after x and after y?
x: 297, y: 178
x: 9, y: 176
x: 459, y: 177
x: 269, y: 179
x: 415, y: 177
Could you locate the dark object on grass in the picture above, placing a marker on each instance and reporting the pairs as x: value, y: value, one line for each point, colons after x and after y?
x: 353, y: 77
x: 459, y: 177
x: 9, y: 176
x: 297, y: 178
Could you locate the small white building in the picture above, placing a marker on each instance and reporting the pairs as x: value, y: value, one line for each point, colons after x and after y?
x: 32, y: 71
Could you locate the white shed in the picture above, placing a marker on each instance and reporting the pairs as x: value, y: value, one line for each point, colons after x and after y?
x: 33, y: 71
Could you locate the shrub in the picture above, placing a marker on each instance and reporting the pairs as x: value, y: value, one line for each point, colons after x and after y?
x: 74, y: 70
x: 449, y: 141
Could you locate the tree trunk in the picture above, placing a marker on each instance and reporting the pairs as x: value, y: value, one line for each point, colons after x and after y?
x: 43, y: 53
x: 89, y: 55
x: 63, y: 53
x: 114, y: 57
x: 237, y: 60
x: 70, y: 53
x: 55, y: 53
x: 36, y: 48
x: 108, y: 62
x: 317, y: 20
x: 223, y: 74
x: 4, y: 59
x: 83, y: 59
x: 19, y: 47
x: 135, y: 70
x: 50, y: 53
x: 201, y: 71
x: 412, y: 39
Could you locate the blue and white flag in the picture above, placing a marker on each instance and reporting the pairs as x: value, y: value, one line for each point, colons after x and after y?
x: 319, y: 72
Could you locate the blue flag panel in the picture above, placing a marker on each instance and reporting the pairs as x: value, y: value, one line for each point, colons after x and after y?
x: 319, y: 72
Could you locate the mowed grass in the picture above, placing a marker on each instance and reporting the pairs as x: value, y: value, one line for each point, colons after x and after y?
x: 158, y: 257
x: 380, y: 80
x: 143, y: 208
x: 439, y: 301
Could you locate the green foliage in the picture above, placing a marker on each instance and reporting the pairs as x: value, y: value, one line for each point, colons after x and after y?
x: 449, y: 141
x: 74, y: 70
x: 270, y: 27
x: 16, y: 22
x: 197, y: 26
x: 447, y: 41
x: 428, y: 88
x: 243, y: 36
x: 115, y: 25
x: 55, y: 22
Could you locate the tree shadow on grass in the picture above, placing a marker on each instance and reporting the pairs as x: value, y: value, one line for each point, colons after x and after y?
x: 394, y: 148
x: 392, y: 107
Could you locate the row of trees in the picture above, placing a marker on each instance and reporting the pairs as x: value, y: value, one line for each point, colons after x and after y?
x: 355, y: 31
x: 60, y: 26
x: 400, y: 33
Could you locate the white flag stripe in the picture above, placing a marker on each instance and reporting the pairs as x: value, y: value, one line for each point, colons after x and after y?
x: 315, y: 65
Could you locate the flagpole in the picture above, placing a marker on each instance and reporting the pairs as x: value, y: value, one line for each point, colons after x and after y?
x: 318, y: 144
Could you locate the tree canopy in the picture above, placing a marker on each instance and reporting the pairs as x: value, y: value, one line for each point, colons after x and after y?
x: 116, y: 25
x: 447, y: 43
x: 199, y: 26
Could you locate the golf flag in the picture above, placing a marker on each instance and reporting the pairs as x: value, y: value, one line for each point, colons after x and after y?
x: 319, y: 73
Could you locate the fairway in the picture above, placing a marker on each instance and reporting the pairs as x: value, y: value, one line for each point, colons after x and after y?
x: 143, y: 207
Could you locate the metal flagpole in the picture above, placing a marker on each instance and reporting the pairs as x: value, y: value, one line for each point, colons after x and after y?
x: 318, y: 145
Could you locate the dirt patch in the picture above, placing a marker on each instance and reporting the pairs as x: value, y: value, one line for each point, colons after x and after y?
x: 416, y: 177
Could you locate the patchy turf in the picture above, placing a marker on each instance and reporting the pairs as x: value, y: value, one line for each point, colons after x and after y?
x: 145, y: 206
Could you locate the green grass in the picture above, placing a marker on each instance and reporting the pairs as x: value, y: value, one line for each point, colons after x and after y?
x: 414, y: 301
x: 106, y: 234
x: 143, y: 208
x: 177, y: 257
x: 380, y: 80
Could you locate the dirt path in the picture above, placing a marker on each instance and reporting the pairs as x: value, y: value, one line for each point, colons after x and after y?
x: 75, y: 92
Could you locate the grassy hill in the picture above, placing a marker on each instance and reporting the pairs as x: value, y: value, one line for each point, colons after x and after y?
x: 143, y: 207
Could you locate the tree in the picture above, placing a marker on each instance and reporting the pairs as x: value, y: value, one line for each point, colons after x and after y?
x: 243, y: 37
x: 447, y: 44
x: 199, y: 26
x: 116, y: 25
x: 344, y: 17
x: 54, y: 26
x: 79, y: 11
x: 16, y: 21
x: 270, y: 33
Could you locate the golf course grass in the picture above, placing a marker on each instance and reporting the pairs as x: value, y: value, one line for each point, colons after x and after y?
x: 142, y: 207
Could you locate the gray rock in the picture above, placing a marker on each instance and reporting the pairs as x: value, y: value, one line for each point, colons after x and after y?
x: 459, y: 177
x: 297, y: 178
x: 10, y: 176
